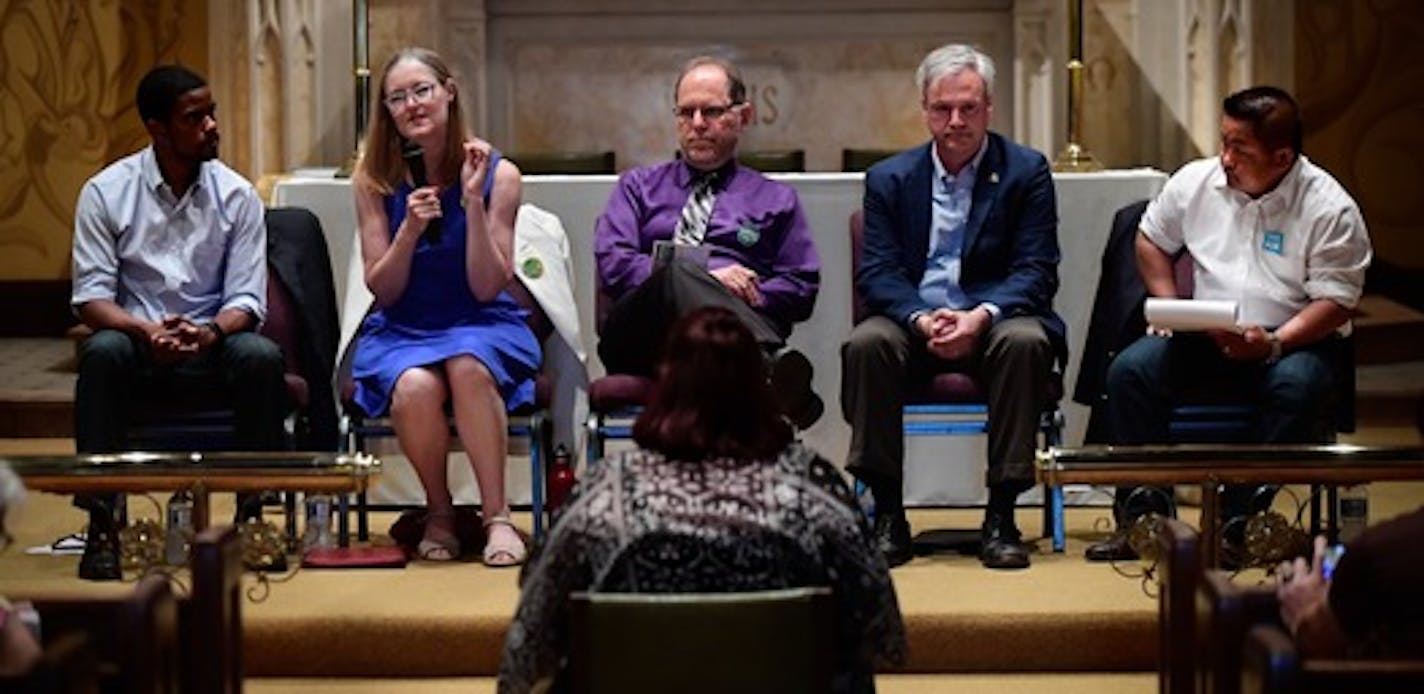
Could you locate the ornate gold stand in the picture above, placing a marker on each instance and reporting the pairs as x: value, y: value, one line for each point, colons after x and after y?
x: 1075, y: 157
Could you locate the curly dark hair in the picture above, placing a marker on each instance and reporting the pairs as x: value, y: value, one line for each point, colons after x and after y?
x: 161, y: 88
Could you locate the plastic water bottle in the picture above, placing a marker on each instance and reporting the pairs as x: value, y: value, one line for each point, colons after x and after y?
x: 560, y: 481
x: 1354, y: 513
x: 318, y: 526
x: 180, y: 528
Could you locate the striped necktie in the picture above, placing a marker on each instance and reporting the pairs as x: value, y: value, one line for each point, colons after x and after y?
x: 692, y: 226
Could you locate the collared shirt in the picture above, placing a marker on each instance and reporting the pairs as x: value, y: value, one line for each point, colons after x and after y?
x: 950, y: 199
x: 756, y: 222
x: 1304, y: 240
x: 734, y: 526
x: 155, y: 254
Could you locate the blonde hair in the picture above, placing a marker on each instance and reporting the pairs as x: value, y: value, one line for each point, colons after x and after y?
x: 380, y: 168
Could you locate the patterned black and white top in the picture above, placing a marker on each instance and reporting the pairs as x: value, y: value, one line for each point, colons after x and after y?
x: 638, y: 522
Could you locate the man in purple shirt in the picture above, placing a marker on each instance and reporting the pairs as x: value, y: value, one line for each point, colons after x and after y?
x: 704, y: 230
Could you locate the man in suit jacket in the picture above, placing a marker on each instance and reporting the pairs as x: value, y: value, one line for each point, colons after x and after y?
x: 959, y: 266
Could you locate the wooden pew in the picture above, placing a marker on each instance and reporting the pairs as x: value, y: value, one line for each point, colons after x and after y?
x: 1180, y: 568
x: 134, y: 639
x: 1225, y: 611
x: 1271, y: 665
x: 210, y: 620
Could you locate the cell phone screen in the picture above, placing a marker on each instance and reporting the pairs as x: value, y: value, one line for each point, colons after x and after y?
x: 1332, y: 557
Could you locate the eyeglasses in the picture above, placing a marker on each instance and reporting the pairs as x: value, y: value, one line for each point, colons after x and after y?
x: 421, y: 94
x: 686, y: 114
x: 940, y: 113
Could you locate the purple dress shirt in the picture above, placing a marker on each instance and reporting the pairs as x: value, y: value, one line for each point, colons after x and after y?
x: 756, y: 222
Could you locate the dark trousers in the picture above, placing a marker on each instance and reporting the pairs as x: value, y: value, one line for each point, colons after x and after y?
x: 1155, y: 374
x: 632, y: 337
x: 1013, y: 360
x: 116, y: 372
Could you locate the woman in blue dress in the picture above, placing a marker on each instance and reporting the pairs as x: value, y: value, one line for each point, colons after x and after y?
x: 445, y: 335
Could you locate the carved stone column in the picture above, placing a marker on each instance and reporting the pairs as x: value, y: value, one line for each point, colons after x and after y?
x: 281, y: 72
x: 1040, y: 83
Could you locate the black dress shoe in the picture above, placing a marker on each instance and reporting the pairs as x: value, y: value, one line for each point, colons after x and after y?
x: 892, y: 538
x: 1002, y: 548
x: 100, y: 561
x: 791, y: 381
x: 1115, y: 548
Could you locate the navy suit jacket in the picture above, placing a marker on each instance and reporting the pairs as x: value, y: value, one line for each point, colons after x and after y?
x: 1010, y: 255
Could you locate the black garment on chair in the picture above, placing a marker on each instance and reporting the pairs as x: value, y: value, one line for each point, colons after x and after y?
x: 1117, y: 319
x: 297, y: 254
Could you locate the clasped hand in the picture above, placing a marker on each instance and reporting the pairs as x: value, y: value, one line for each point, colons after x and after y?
x: 177, y: 338
x: 951, y: 334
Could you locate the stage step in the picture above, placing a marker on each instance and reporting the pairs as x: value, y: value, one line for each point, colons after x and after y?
x: 1387, y: 332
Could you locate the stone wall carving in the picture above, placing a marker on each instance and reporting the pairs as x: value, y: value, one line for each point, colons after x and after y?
x: 68, y: 71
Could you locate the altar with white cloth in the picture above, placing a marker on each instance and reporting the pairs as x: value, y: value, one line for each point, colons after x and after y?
x: 938, y: 470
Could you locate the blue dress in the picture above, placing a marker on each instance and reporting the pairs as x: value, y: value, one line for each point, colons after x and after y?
x: 438, y: 317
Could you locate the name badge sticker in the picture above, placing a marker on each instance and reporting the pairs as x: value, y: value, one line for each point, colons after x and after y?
x: 1274, y: 242
x: 748, y: 235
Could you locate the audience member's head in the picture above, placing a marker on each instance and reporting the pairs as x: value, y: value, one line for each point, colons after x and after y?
x: 712, y: 398
x: 393, y: 111
x: 1260, y: 138
x: 178, y: 112
x: 12, y: 491
x: 711, y: 108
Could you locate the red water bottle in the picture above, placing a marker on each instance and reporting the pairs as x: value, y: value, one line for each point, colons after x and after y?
x: 561, y: 480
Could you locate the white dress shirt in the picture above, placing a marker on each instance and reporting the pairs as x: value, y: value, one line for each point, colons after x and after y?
x: 1304, y: 240
x: 155, y: 254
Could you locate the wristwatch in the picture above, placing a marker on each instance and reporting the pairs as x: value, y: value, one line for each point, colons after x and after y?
x: 1275, y: 341
x: 217, y: 331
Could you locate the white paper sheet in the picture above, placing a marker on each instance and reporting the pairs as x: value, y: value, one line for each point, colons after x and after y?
x: 1191, y: 314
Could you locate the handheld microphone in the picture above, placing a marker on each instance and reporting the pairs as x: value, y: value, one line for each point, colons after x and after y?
x: 414, y: 156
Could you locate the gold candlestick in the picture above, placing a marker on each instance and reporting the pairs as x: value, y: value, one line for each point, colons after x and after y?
x: 360, y: 40
x: 1075, y: 157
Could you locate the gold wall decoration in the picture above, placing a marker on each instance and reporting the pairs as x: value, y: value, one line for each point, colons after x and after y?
x: 68, y: 70
x: 1359, y: 66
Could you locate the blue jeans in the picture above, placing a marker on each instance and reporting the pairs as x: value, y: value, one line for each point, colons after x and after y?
x: 1292, y: 398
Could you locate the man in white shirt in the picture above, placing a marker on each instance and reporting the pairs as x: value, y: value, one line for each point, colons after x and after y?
x: 1276, y: 234
x: 170, y: 272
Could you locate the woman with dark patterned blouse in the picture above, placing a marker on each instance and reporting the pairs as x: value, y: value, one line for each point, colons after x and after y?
x: 717, y: 498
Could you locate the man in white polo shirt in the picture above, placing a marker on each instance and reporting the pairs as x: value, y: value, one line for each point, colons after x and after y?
x: 1275, y: 233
